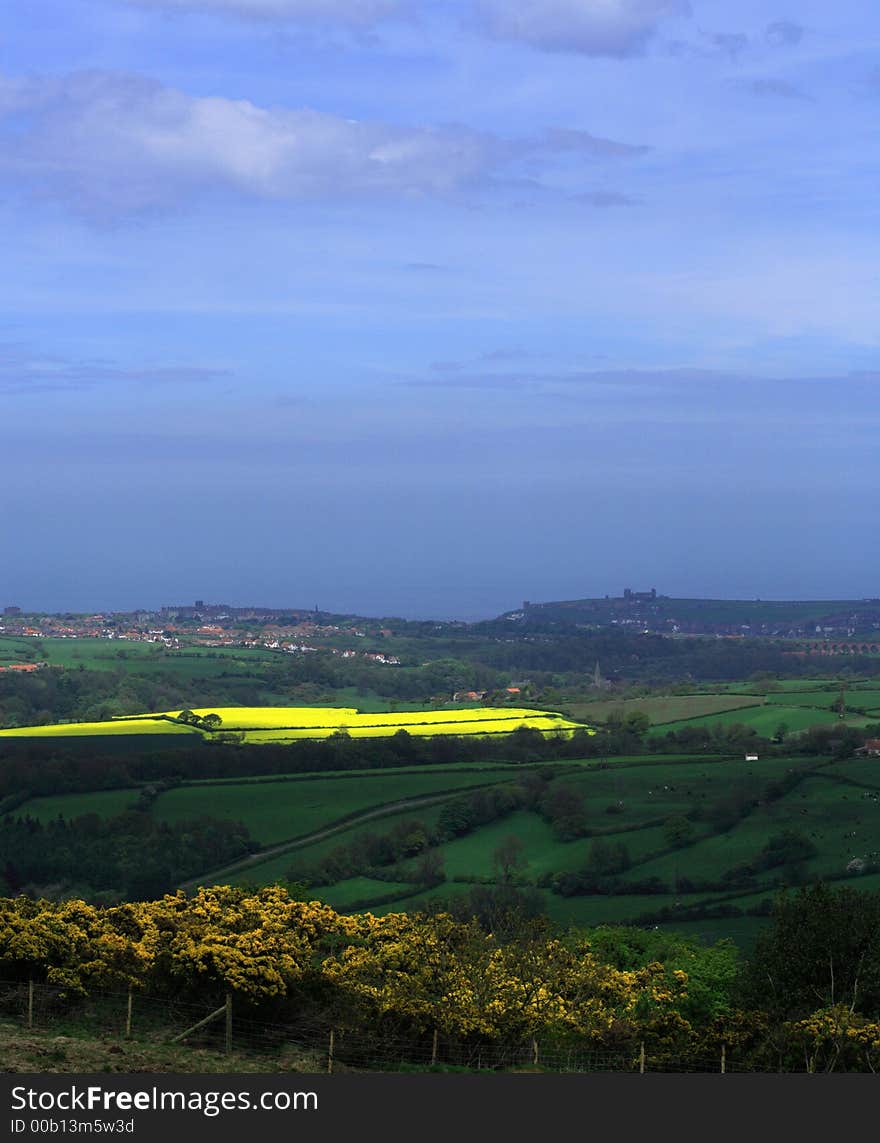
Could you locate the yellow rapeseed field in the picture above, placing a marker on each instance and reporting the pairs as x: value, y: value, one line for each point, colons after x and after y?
x: 280, y: 724
x: 143, y: 725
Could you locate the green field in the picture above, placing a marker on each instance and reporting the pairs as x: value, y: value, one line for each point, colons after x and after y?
x: 490, y: 769
x: 356, y: 889
x: 865, y: 771
x: 277, y: 811
x: 836, y: 806
x: 665, y: 786
x: 114, y: 654
x: 663, y: 708
x: 765, y: 720
x: 471, y: 857
x: 774, y: 685
x: 298, y: 857
x: 104, y: 803
x: 865, y: 699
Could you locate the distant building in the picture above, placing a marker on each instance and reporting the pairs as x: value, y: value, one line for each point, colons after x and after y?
x: 751, y: 758
x: 598, y: 682
x: 871, y: 748
x: 12, y: 611
x: 639, y: 596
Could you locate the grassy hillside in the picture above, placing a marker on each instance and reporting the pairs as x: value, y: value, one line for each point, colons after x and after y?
x: 732, y: 612
x: 276, y: 811
x: 696, y: 829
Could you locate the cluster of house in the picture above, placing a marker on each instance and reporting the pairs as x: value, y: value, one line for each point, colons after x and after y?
x: 478, y: 696
x: 292, y: 639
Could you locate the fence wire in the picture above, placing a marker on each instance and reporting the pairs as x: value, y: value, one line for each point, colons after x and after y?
x: 317, y: 1046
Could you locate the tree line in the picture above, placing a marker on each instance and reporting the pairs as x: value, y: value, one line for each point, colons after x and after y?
x: 127, y: 857
x: 806, y: 998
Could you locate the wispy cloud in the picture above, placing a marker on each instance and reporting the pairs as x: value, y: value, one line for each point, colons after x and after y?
x: 109, y: 143
x: 784, y: 33
x: 560, y: 140
x: 605, y: 199
x: 769, y: 88
x: 22, y: 371
x: 458, y: 376
x: 511, y: 354
x: 731, y: 44
x: 590, y: 27
x: 358, y: 13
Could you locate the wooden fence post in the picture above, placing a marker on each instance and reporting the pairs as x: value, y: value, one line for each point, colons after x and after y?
x: 128, y: 1015
x: 330, y: 1053
x: 434, y: 1048
x: 227, y: 1009
x: 228, y: 1023
x: 534, y: 1052
x: 723, y: 1058
x: 642, y: 1058
x: 30, y: 1018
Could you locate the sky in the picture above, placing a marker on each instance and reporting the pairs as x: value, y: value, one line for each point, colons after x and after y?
x: 426, y: 307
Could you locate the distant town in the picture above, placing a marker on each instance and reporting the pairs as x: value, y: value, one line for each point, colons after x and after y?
x: 208, y: 625
x: 805, y: 627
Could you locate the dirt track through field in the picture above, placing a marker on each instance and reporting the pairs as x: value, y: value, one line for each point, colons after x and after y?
x: 215, y: 876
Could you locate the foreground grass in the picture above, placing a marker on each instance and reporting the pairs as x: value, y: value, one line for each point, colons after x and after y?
x: 23, y: 1050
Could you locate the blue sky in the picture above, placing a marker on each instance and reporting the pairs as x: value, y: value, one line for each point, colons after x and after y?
x: 423, y: 308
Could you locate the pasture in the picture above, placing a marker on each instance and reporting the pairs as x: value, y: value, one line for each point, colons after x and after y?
x: 765, y: 720
x: 835, y: 807
x: 662, y: 708
x: 104, y: 803
x: 132, y: 655
x: 854, y: 698
x: 279, y: 811
x: 300, y: 856
x: 733, y: 810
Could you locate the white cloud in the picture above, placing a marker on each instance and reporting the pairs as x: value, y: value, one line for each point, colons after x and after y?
x: 112, y: 142
x: 359, y: 13
x: 593, y: 27
x: 126, y: 142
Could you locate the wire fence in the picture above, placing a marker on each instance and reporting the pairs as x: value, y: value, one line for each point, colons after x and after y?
x: 314, y: 1044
